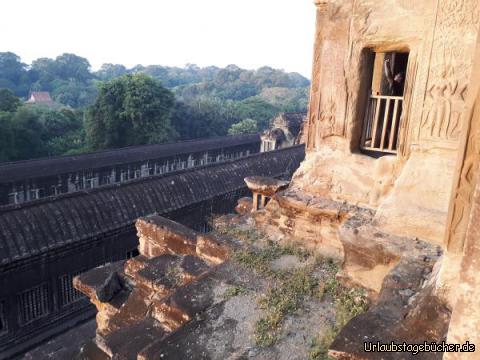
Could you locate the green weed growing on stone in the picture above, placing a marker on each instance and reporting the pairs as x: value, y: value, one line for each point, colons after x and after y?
x: 320, y: 345
x: 235, y: 290
x: 284, y: 299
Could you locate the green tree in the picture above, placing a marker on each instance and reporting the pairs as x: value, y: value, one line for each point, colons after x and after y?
x: 72, y: 67
x: 67, y: 77
x: 257, y: 109
x: 14, y: 74
x: 8, y: 101
x: 74, y: 93
x: 130, y: 110
x: 32, y: 132
x: 7, y: 144
x: 111, y: 71
x: 62, y: 130
x: 203, y: 117
x: 28, y: 132
x: 246, y: 126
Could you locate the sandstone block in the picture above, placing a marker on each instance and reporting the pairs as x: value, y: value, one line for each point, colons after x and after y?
x: 100, y: 281
x: 110, y: 287
x: 210, y: 249
x: 244, y: 206
x: 127, y: 342
x: 158, y: 236
x: 163, y: 274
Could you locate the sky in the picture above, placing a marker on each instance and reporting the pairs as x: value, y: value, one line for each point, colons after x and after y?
x: 248, y: 33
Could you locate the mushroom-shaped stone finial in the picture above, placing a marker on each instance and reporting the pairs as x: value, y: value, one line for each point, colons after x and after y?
x: 266, y: 186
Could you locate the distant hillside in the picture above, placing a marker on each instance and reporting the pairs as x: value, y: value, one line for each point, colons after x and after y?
x: 71, y: 82
x: 230, y: 82
x: 206, y: 102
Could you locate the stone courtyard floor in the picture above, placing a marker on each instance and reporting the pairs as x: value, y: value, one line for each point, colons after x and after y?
x: 268, y: 301
x: 64, y: 346
x: 282, y: 303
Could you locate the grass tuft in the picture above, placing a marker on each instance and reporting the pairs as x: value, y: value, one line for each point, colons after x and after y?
x: 292, y: 288
x: 320, y: 345
x: 285, y: 299
x: 174, y: 275
x: 349, y: 302
x: 259, y: 259
x: 234, y: 291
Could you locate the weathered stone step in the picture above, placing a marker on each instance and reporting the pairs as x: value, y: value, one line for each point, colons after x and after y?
x: 135, y: 309
x: 107, y: 289
x: 194, y: 310
x: 182, y: 306
x: 158, y: 235
x: 134, y: 265
x: 90, y: 351
x: 131, y: 296
x: 158, y: 278
x: 127, y: 342
x: 100, y: 282
x: 164, y: 273
x: 212, y: 249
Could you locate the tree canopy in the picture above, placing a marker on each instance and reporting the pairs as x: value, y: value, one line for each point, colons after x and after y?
x: 130, y: 110
x: 246, y: 126
x: 8, y: 101
x: 139, y: 105
x: 29, y: 131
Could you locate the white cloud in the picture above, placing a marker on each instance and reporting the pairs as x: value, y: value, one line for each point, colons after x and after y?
x: 249, y: 33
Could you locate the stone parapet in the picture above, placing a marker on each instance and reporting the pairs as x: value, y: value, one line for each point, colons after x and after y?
x: 400, y: 275
x: 143, y: 300
x: 312, y: 221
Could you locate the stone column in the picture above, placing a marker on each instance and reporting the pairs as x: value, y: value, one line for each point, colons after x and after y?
x: 459, y: 273
x: 465, y: 182
x: 315, y: 85
x: 262, y: 202
x: 255, y: 202
x: 465, y: 321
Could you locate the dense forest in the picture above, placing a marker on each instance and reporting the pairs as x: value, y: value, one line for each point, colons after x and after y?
x: 116, y: 106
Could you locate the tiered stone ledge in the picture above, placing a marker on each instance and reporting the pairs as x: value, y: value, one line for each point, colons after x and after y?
x: 395, y: 271
x: 311, y: 221
x: 138, y: 301
x: 400, y: 274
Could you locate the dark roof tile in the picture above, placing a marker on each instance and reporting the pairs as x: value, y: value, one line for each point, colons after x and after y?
x: 35, y: 228
x: 28, y: 169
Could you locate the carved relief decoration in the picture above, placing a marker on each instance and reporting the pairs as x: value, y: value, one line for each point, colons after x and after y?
x: 327, y: 121
x: 468, y: 171
x: 450, y: 67
x: 443, y: 107
x: 464, y: 189
x: 332, y: 95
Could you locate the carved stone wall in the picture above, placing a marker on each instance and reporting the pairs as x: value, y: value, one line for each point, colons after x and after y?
x: 461, y: 239
x: 459, y: 279
x: 449, y: 72
x: 465, y: 320
x: 328, y: 94
x: 412, y: 194
x: 467, y: 168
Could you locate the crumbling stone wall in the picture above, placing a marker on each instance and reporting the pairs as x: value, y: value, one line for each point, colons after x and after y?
x: 140, y: 302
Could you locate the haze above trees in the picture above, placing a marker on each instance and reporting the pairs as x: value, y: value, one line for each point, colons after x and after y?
x: 115, y: 106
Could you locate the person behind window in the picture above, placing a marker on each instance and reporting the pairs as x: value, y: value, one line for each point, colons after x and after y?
x: 395, y: 83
